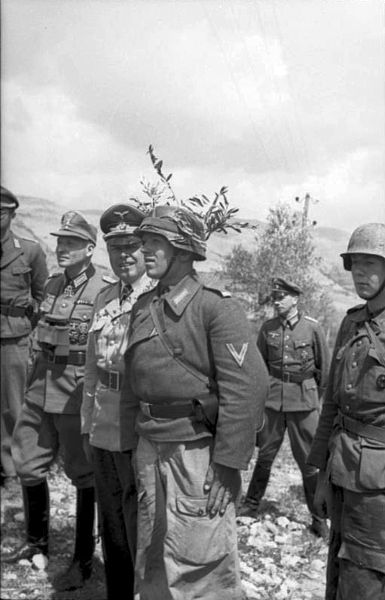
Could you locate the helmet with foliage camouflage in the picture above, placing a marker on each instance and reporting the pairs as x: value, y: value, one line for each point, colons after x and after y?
x: 366, y: 239
x: 181, y: 227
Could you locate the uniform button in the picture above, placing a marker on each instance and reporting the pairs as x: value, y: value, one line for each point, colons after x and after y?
x: 349, y: 386
x: 201, y: 512
x: 286, y: 356
x: 347, y: 407
x: 354, y: 364
x: 63, y: 304
x: 359, y: 342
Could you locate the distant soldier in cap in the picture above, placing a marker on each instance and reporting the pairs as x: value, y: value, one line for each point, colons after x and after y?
x: 296, y: 354
x: 23, y: 276
x: 349, y: 446
x: 50, y: 417
x: 198, y: 382
x: 104, y: 416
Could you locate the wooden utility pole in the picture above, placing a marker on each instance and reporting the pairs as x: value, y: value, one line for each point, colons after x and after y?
x: 305, y: 212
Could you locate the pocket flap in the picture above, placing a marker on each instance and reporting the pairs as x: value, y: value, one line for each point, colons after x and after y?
x: 301, y: 343
x: 195, y: 507
x: 21, y: 269
x: 309, y: 384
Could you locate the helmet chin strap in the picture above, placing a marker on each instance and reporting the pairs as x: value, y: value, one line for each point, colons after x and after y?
x: 170, y: 265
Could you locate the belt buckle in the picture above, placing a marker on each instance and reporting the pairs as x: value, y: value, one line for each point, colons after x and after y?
x: 114, y: 380
x: 146, y: 409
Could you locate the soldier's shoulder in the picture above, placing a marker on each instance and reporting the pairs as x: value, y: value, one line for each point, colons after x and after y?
x: 355, y: 309
x: 108, y: 283
x: 272, y: 322
x: 26, y: 243
x: 217, y: 291
x: 54, y: 274
x: 311, y: 319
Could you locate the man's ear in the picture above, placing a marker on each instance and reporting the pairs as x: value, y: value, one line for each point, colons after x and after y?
x: 90, y: 249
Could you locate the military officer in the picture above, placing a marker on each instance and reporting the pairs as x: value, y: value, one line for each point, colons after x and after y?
x: 50, y: 417
x: 349, y: 446
x: 23, y: 276
x: 104, y: 416
x: 199, y: 383
x: 295, y: 351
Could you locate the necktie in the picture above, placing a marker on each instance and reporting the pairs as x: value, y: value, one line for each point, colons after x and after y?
x: 125, y: 292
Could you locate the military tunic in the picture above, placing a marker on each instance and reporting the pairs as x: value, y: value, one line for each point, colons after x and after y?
x: 296, y: 355
x: 208, y: 334
x: 350, y: 445
x: 51, y: 412
x: 104, y: 419
x: 23, y: 276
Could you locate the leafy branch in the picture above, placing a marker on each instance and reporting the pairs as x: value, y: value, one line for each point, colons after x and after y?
x: 216, y: 214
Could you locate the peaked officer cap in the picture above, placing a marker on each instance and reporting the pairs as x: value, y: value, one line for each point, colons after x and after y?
x: 74, y: 224
x: 120, y: 220
x: 283, y: 285
x: 8, y: 200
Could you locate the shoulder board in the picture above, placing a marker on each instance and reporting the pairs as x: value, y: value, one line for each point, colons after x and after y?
x: 28, y: 239
x: 310, y: 319
x: 355, y: 308
x: 54, y: 275
x: 219, y: 291
x: 109, y: 279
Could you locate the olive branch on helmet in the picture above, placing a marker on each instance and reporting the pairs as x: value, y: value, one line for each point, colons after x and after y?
x: 216, y: 215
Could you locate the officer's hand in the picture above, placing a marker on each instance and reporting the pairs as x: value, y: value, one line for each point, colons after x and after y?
x: 322, y: 496
x: 87, y: 448
x: 222, y: 484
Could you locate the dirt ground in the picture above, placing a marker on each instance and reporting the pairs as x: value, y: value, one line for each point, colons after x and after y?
x: 280, y: 558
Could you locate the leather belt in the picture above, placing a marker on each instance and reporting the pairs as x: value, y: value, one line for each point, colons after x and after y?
x: 289, y: 377
x: 9, y: 310
x: 175, y: 410
x: 366, y: 430
x: 73, y: 358
x: 111, y: 379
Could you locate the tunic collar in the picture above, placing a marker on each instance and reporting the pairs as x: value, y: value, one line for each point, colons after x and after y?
x: 179, y: 296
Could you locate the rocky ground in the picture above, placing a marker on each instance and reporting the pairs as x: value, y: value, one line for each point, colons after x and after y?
x: 280, y: 558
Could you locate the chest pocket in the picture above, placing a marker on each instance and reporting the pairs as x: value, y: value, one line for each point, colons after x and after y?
x: 303, y: 351
x: 22, y: 275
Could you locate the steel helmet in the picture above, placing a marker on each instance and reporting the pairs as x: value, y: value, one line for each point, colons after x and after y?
x: 181, y: 227
x: 366, y: 239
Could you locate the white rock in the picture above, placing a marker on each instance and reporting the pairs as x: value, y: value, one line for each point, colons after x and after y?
x: 40, y: 561
x: 19, y: 517
x: 317, y: 564
x: 283, y: 521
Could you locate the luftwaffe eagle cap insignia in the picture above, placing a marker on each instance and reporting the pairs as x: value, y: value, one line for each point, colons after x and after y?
x: 120, y: 220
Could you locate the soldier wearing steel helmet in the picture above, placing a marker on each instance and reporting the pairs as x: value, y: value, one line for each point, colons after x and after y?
x: 349, y: 446
x: 23, y: 276
x: 198, y: 383
x: 104, y: 415
x: 50, y: 416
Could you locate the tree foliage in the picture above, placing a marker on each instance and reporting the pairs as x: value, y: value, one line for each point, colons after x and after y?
x: 283, y: 249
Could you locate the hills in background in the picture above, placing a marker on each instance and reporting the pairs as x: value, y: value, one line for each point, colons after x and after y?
x: 37, y: 217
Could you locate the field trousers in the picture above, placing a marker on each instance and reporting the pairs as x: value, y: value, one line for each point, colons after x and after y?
x: 14, y: 365
x: 117, y: 502
x: 356, y: 559
x: 182, y: 553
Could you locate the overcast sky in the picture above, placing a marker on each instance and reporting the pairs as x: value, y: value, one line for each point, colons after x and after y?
x: 274, y: 99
